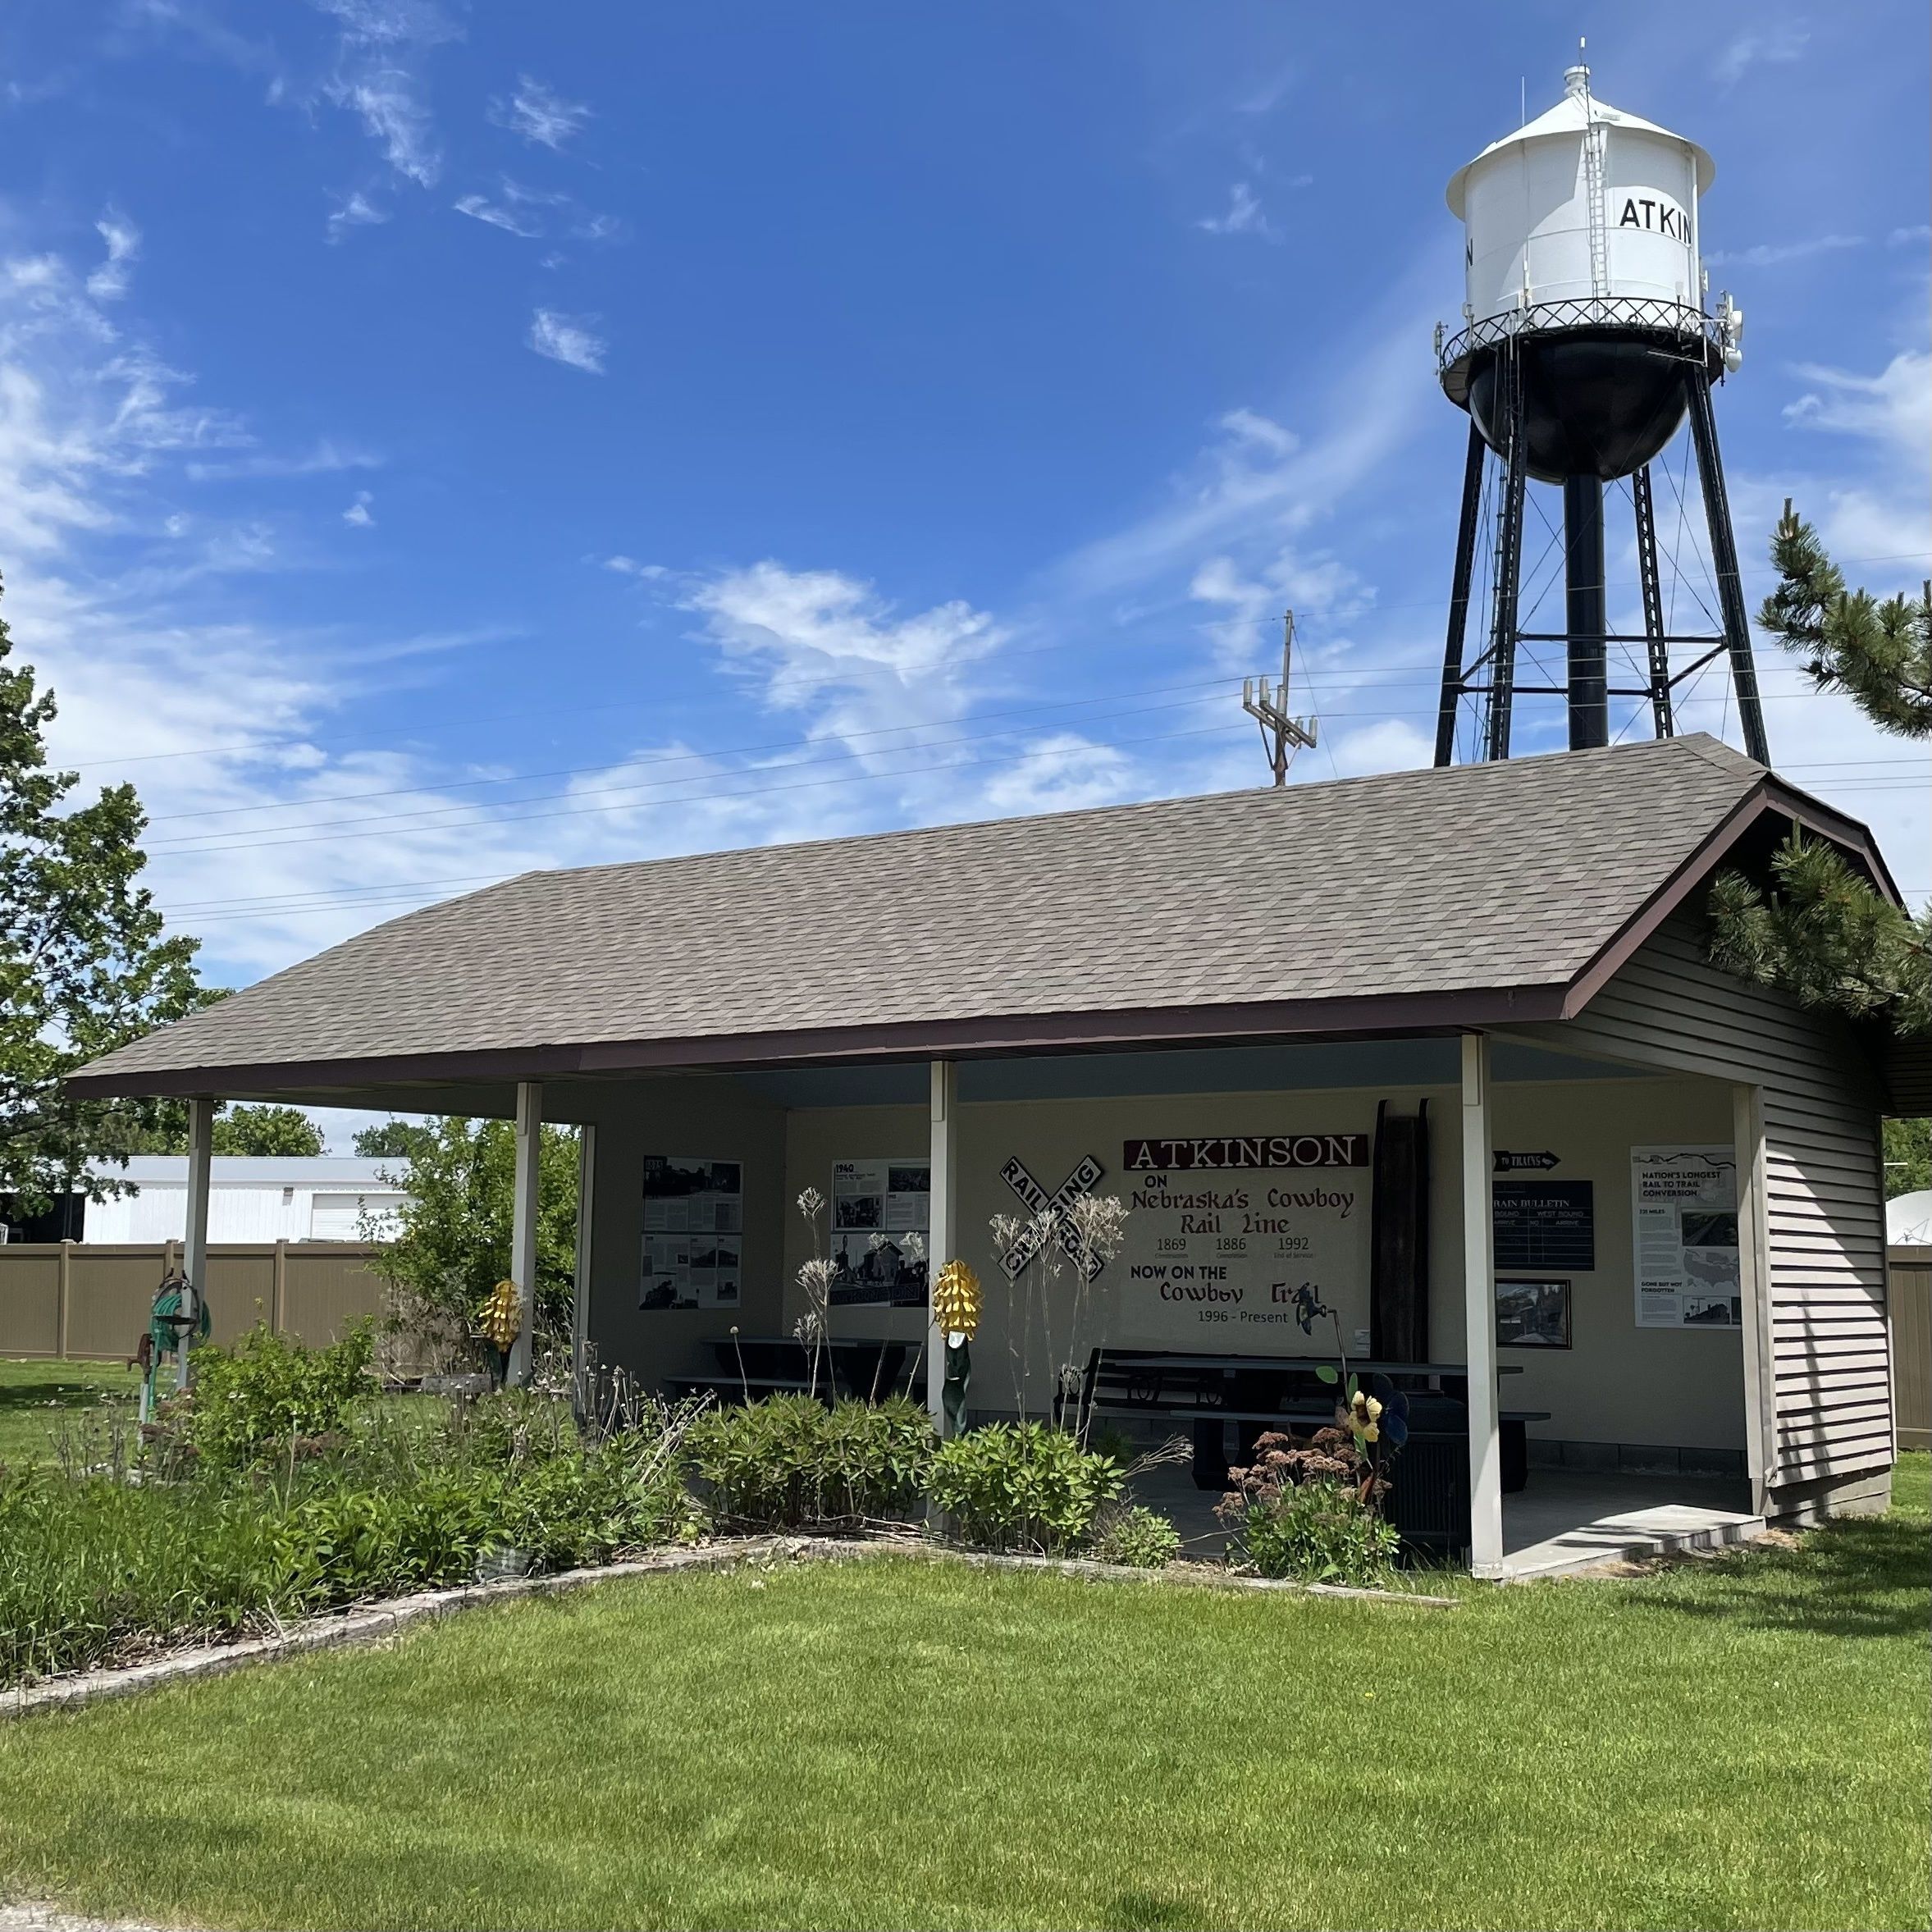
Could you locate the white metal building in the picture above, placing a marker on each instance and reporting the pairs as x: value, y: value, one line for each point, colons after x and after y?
x: 253, y: 1198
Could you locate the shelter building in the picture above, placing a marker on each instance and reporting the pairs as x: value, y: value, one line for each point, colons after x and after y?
x: 1443, y: 1046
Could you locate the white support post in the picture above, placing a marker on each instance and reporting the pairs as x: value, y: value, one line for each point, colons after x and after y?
x: 522, y: 1240
x: 201, y: 1149
x: 943, y: 1236
x: 1754, y: 1286
x: 580, y: 1299
x: 1485, y: 1465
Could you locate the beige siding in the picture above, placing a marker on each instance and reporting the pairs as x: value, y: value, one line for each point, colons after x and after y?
x: 1825, y: 1206
x: 1911, y: 1293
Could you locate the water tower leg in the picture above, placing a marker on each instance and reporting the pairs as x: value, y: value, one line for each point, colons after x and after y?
x: 1508, y: 557
x: 1586, y: 613
x: 1723, y: 556
x: 1458, y: 597
x: 1662, y: 716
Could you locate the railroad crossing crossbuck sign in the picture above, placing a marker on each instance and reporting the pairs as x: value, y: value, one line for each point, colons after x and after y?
x: 1079, y: 1181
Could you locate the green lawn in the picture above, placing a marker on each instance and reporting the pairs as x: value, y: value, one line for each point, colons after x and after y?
x: 40, y: 1402
x: 1741, y: 1743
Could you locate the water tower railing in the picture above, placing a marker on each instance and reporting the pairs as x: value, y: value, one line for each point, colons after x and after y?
x: 1679, y: 319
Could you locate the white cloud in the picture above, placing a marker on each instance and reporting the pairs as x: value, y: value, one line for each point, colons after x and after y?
x: 1895, y: 406
x: 1259, y: 482
x: 354, y: 211
x: 1244, y: 216
x: 375, y: 79
x: 568, y: 339
x: 511, y: 220
x: 1773, y: 254
x: 109, y: 282
x: 1905, y: 238
x: 1771, y: 43
x: 358, y: 512
x: 384, y: 98
x: 826, y: 643
x: 630, y: 567
x: 1062, y: 772
x: 539, y: 114
x: 326, y: 459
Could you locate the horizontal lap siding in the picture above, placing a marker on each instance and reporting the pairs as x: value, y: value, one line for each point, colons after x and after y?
x: 1670, y: 1008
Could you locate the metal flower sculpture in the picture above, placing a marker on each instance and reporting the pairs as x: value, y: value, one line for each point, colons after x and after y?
x: 955, y: 1310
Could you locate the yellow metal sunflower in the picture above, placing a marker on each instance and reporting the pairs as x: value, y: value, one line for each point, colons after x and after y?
x: 956, y: 1300
x: 503, y: 1314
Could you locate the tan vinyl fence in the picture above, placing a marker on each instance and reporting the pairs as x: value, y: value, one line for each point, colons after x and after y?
x: 88, y: 1301
x: 1909, y: 1295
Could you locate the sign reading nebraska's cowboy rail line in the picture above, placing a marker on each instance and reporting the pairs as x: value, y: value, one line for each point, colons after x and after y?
x: 1249, y: 1150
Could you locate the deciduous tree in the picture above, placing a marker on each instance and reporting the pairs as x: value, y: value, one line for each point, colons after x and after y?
x: 453, y: 1242
x: 85, y: 963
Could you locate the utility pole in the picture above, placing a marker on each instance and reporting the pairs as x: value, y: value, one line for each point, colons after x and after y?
x: 1282, y: 736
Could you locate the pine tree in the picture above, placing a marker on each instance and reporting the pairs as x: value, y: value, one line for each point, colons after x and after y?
x: 1824, y: 936
x: 85, y: 965
x: 1879, y: 654
x: 1822, y: 933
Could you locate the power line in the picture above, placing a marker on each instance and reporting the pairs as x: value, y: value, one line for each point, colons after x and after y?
x: 522, y: 714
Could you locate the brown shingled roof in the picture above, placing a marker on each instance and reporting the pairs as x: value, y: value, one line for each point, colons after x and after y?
x: 1394, y: 900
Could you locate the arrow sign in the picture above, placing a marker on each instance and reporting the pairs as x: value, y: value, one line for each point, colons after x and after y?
x: 1524, y: 1163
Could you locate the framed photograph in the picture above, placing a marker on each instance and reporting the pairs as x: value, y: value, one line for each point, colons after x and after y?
x: 1532, y: 1314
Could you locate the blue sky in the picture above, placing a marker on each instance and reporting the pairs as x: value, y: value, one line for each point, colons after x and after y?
x: 436, y: 441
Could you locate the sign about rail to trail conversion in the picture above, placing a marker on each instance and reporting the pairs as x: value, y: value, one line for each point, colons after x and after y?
x: 1224, y: 1230
x: 1683, y: 1204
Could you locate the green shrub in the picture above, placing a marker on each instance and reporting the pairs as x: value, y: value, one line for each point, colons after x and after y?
x: 92, y: 1568
x: 615, y: 1498
x: 1318, y: 1530
x: 790, y: 1463
x: 1021, y: 1486
x: 269, y: 1397
x: 1139, y: 1538
x: 95, y: 1570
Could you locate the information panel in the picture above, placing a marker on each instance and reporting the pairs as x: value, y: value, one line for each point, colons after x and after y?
x: 693, y: 1242
x: 1223, y: 1230
x: 875, y: 1205
x: 1683, y: 1204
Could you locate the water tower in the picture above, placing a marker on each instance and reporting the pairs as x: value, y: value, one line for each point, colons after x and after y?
x: 1586, y: 344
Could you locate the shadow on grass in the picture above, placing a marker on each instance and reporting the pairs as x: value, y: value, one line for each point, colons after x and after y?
x: 57, y: 1388
x: 1856, y: 1576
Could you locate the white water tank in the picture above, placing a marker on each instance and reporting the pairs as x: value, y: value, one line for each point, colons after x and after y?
x: 1583, y: 284
x: 1584, y: 201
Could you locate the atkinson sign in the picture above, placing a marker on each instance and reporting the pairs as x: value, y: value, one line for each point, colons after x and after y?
x: 1247, y: 1150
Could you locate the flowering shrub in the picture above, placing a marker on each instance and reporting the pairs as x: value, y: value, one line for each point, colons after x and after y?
x: 1308, y: 1510
x: 1021, y: 1486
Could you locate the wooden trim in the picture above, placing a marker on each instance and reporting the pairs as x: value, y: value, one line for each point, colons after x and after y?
x: 1769, y: 796
x: 1761, y: 1388
x: 1360, y: 1016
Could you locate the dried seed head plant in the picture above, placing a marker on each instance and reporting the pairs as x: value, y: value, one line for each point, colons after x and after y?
x: 1055, y: 1245
x: 813, y: 1328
